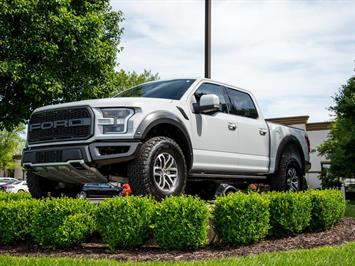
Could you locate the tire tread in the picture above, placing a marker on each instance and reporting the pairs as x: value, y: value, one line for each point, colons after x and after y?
x: 139, y: 169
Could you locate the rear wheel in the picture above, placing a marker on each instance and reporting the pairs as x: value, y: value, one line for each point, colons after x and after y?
x: 159, y: 169
x: 289, y: 176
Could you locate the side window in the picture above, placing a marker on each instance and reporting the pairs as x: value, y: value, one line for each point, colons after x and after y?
x: 242, y: 104
x: 208, y: 88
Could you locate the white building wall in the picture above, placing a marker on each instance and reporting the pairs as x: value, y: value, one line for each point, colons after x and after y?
x: 18, y: 172
x: 300, y: 126
x: 316, y: 137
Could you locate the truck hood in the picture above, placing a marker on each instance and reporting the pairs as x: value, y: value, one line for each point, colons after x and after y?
x: 113, y: 102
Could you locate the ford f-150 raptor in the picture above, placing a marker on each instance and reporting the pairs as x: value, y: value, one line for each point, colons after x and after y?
x: 163, y: 137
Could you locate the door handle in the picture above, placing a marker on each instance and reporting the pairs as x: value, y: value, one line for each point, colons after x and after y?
x: 232, y: 126
x: 262, y: 131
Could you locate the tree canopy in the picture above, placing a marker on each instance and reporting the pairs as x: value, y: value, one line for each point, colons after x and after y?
x: 340, y: 145
x: 125, y: 80
x: 11, y: 144
x: 53, y: 52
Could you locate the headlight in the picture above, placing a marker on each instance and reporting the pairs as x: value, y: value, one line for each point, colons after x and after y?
x: 115, y: 120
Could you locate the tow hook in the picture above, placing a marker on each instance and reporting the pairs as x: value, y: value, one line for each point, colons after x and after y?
x: 127, y: 191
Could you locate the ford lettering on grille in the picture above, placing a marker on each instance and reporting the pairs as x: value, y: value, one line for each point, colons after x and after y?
x: 60, y: 125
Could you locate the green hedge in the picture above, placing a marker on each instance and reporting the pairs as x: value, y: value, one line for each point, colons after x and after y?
x: 181, y: 222
x: 5, y: 196
x: 16, y: 220
x: 62, y: 222
x: 328, y: 207
x: 290, y: 213
x: 125, y: 221
x: 241, y: 219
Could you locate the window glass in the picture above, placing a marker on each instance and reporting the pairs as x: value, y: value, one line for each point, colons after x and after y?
x: 208, y: 88
x: 242, y: 104
x: 169, y: 89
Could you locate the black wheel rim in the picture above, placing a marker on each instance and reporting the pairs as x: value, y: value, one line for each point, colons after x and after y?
x: 292, y: 178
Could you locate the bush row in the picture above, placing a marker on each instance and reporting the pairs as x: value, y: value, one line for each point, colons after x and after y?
x: 53, y: 223
x: 5, y: 196
x: 175, y: 223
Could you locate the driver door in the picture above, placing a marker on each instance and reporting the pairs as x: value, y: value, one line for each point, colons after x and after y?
x: 213, y: 134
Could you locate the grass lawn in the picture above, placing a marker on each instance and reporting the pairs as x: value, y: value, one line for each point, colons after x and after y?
x: 340, y: 255
x: 350, y: 209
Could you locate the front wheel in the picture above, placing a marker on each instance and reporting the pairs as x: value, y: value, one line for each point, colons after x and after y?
x: 40, y: 187
x: 159, y: 169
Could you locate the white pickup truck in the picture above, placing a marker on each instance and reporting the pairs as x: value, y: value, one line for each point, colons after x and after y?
x: 163, y: 137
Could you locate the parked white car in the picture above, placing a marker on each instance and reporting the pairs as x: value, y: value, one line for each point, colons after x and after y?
x: 6, y: 180
x: 20, y: 186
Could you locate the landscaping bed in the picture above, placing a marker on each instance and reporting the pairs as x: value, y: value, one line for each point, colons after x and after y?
x: 342, y: 232
x: 177, y: 228
x: 337, y: 255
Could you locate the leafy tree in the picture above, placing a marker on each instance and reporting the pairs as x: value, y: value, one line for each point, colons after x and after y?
x: 11, y: 144
x: 53, y: 52
x: 340, y: 145
x: 125, y: 80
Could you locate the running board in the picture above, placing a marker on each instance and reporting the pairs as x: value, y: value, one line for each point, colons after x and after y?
x: 210, y: 176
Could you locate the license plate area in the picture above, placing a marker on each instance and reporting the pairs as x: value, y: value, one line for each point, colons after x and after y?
x: 49, y: 156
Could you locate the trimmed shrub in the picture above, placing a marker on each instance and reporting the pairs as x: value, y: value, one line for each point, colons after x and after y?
x: 328, y: 207
x: 75, y: 229
x: 240, y: 219
x: 62, y: 222
x: 290, y: 213
x: 181, y: 222
x: 5, y: 196
x: 16, y: 220
x: 125, y: 221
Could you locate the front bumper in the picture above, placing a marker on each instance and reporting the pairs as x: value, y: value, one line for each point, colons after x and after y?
x: 77, y: 163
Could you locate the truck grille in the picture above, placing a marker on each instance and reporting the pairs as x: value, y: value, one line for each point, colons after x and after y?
x: 60, y: 125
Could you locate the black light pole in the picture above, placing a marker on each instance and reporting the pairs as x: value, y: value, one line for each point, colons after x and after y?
x: 207, y: 38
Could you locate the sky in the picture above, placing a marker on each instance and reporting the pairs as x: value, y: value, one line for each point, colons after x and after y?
x: 292, y: 55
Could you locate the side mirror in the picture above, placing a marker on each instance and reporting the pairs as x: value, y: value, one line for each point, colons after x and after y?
x: 208, y: 104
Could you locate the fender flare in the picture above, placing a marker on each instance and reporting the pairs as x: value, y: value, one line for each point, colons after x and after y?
x: 289, y: 140
x: 163, y: 117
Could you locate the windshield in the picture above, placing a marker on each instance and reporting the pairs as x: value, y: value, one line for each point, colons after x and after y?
x: 170, y: 89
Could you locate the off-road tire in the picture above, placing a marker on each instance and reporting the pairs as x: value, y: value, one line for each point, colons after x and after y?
x: 40, y: 187
x: 140, y: 170
x: 278, y: 182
